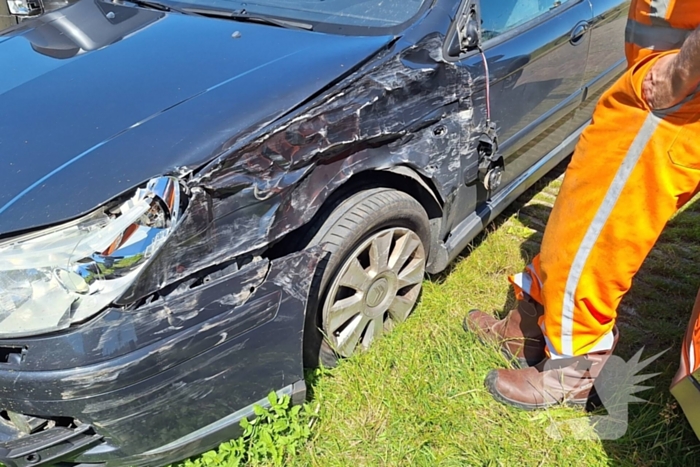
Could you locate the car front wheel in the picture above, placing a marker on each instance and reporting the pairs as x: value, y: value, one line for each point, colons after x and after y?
x: 376, y: 244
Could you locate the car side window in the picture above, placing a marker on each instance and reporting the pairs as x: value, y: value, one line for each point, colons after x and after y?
x: 500, y: 16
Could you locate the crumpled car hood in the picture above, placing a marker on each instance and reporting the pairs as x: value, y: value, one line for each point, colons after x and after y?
x: 99, y: 98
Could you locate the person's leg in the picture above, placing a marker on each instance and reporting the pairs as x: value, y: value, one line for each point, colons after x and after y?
x: 631, y: 171
x: 518, y: 334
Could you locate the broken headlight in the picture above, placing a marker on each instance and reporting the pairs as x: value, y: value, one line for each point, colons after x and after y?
x: 63, y: 275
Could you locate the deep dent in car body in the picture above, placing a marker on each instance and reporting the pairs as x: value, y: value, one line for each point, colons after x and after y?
x: 278, y: 178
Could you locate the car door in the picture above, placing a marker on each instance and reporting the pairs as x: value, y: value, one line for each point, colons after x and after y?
x: 536, y: 51
x: 606, y: 57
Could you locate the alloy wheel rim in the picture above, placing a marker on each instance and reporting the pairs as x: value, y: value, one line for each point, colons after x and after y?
x: 376, y: 288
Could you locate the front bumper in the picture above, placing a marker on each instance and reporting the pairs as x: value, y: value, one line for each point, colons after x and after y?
x: 169, y: 380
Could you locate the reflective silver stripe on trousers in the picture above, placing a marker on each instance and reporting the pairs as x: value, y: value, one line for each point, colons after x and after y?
x: 658, y: 9
x: 691, y: 357
x: 534, y: 274
x: 618, y: 184
x: 657, y: 37
x: 523, y: 281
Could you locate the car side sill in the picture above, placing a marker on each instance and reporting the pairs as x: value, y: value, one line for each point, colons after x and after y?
x: 296, y: 391
x: 469, y: 228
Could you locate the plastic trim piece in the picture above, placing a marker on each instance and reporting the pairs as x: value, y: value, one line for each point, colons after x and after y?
x: 48, y: 447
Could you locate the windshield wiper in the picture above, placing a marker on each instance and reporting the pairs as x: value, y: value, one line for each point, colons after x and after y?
x: 244, y: 16
x: 154, y: 5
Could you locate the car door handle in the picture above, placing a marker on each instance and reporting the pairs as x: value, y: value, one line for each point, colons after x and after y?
x: 578, y: 32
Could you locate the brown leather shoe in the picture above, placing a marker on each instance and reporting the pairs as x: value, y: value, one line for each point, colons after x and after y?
x: 518, y: 334
x: 551, y: 382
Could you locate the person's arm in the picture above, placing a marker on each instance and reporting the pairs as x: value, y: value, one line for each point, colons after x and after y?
x: 674, y: 76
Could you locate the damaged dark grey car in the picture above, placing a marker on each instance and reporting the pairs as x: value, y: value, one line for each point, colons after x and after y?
x: 199, y: 196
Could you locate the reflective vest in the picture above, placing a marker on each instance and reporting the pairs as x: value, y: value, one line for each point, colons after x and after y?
x: 659, y: 25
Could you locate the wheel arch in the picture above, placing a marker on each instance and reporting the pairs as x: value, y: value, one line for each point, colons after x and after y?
x: 412, y: 183
x: 400, y: 177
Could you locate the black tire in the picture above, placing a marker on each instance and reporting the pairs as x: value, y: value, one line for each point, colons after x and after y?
x: 341, y: 232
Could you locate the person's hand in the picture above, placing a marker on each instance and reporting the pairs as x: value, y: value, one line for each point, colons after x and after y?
x: 661, y: 87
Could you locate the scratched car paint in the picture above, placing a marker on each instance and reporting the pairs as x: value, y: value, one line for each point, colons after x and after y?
x: 189, y: 188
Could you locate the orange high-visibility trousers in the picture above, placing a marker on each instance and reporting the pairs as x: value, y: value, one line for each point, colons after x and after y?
x: 658, y: 25
x: 631, y: 171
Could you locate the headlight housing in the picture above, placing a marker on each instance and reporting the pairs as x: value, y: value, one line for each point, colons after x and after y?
x: 24, y: 7
x: 63, y: 275
x: 35, y: 7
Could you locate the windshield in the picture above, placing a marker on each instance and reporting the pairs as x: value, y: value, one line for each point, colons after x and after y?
x: 351, y: 13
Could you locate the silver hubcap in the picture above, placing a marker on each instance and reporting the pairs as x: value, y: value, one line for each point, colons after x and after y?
x: 375, y: 288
